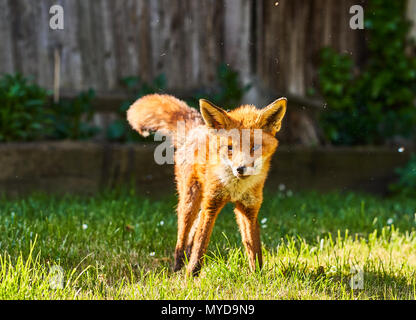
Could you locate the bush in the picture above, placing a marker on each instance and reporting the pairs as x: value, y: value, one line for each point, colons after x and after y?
x: 406, y: 184
x: 379, y: 103
x: 70, y: 117
x: 228, y: 93
x: 24, y: 115
x: 27, y: 114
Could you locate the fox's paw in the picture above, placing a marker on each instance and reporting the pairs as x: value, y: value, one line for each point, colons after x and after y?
x: 178, y: 266
x: 179, y: 260
x: 193, y: 270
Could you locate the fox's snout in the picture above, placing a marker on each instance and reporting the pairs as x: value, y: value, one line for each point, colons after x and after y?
x: 243, y: 169
x: 244, y: 172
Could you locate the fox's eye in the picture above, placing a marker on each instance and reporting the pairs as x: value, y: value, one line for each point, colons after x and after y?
x: 230, y: 148
x: 255, y: 148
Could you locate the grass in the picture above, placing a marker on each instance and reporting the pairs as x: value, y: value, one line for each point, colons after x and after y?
x: 117, y: 245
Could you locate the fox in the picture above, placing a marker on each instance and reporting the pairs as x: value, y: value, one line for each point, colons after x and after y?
x: 235, y: 174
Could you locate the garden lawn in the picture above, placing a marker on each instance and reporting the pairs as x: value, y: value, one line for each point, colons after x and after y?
x: 119, y: 245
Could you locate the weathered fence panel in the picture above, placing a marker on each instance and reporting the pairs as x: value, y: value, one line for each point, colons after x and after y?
x: 106, y: 40
x: 291, y: 34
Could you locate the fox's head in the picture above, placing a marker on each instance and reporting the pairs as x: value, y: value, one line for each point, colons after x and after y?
x: 245, y: 137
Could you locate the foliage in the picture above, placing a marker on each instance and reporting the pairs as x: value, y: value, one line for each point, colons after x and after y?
x: 119, y: 245
x: 24, y: 115
x: 378, y: 103
x: 120, y: 130
x: 407, y: 179
x: 71, y: 116
x: 27, y: 114
x: 228, y: 93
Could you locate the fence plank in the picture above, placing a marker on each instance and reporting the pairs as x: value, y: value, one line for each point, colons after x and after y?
x: 291, y: 35
x: 106, y: 40
x: 6, y: 37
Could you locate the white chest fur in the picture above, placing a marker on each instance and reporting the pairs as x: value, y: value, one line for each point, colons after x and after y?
x: 239, y: 190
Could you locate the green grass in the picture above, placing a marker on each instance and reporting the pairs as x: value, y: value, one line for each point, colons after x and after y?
x: 117, y: 245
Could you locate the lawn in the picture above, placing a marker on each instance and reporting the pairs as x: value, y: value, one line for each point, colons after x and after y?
x: 118, y: 245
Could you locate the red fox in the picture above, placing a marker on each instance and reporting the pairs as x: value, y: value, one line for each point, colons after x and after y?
x: 237, y: 175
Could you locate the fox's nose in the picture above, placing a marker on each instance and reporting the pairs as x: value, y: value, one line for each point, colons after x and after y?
x: 241, y: 170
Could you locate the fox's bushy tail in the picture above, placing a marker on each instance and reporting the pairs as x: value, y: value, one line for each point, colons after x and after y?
x: 161, y: 113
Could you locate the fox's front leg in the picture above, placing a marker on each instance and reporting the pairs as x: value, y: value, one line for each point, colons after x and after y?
x: 209, y: 211
x: 250, y: 232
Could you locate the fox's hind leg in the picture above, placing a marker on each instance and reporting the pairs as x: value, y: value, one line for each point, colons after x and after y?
x: 188, y: 208
x: 250, y: 232
x: 210, y: 208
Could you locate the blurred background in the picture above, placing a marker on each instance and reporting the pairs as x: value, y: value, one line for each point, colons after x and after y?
x: 64, y: 93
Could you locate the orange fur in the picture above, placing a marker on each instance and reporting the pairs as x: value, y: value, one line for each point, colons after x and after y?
x: 205, y: 187
x: 161, y: 113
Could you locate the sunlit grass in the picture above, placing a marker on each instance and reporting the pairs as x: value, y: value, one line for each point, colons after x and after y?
x: 118, y: 245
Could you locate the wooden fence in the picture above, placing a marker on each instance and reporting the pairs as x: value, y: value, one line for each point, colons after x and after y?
x: 274, y: 42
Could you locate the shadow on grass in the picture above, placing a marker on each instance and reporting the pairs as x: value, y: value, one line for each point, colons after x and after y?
x: 373, y: 285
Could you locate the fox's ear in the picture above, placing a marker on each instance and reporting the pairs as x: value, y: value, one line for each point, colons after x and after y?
x: 270, y: 119
x: 214, y: 117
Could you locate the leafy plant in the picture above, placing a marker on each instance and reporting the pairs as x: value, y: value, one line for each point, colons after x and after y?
x: 378, y: 103
x: 71, y: 116
x: 24, y: 115
x: 120, y: 130
x: 407, y: 179
x: 229, y: 91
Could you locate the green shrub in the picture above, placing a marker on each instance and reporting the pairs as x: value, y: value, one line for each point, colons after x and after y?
x: 228, y: 93
x: 378, y: 103
x: 120, y: 130
x: 71, y: 116
x: 27, y: 114
x: 24, y: 115
x: 406, y: 184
